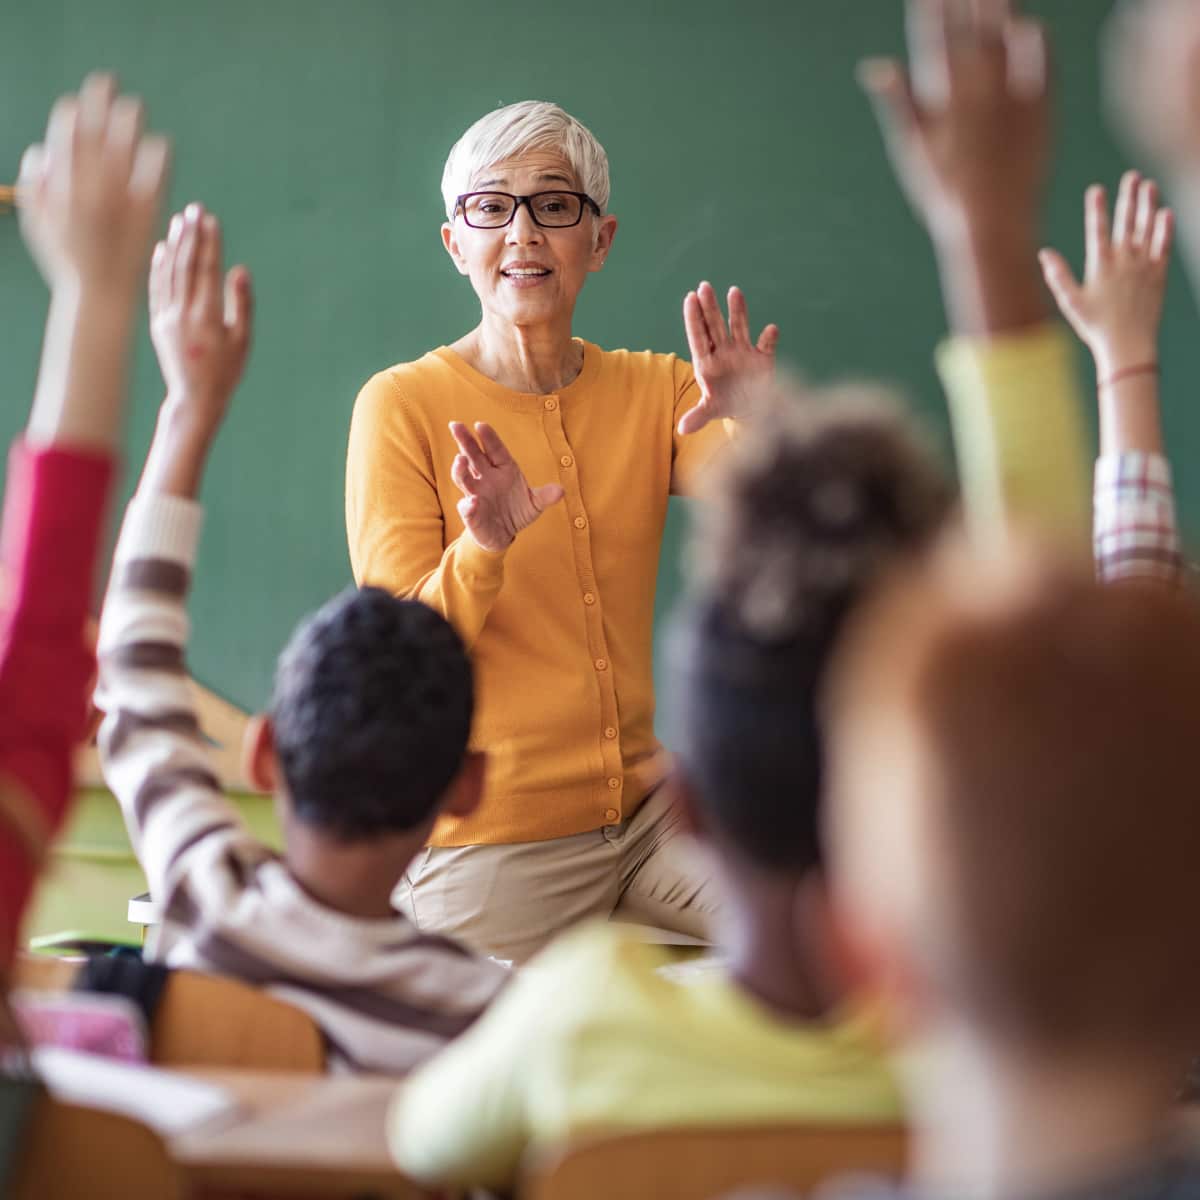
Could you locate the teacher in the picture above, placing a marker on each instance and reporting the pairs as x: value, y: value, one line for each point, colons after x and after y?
x: 517, y: 482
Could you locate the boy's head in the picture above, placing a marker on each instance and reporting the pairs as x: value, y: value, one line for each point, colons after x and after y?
x: 1013, y: 824
x: 370, y: 718
x: 809, y: 506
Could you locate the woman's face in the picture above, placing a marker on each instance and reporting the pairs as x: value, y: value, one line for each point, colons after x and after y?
x: 523, y: 273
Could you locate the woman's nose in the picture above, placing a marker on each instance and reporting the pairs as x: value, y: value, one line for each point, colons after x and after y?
x: 523, y: 230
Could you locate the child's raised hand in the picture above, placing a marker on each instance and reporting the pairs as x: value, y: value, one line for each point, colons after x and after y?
x: 1153, y: 77
x: 200, y: 319
x: 967, y: 126
x: 90, y: 194
x: 1117, y: 308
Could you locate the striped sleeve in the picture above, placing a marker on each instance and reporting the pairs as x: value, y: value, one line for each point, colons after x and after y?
x: 1136, y: 534
x: 153, y: 753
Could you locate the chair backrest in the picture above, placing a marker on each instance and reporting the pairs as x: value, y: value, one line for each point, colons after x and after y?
x: 45, y: 972
x: 701, y: 1163
x: 211, y: 1021
x: 70, y: 1151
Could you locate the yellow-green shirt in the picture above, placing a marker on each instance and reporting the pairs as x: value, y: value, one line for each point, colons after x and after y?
x: 591, y: 1037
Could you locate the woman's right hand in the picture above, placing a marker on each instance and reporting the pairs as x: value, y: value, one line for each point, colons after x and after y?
x: 497, y: 501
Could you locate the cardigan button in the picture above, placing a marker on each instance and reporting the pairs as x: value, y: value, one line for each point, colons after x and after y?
x: 610, y: 732
x: 566, y: 460
x: 580, y: 522
x: 601, y: 664
x: 589, y: 598
x: 613, y: 784
x: 551, y: 404
x: 611, y: 814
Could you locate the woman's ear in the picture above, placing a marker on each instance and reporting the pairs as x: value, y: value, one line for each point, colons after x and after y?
x: 606, y: 230
x: 451, y: 244
x: 259, y: 762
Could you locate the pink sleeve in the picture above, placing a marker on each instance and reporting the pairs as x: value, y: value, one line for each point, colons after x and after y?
x: 54, y: 510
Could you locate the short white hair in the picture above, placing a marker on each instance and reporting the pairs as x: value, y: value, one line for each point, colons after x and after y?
x: 516, y: 129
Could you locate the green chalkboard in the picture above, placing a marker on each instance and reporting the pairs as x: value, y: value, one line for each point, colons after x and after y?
x: 741, y: 151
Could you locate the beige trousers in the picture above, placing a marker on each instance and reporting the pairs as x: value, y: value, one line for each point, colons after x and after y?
x: 510, y: 900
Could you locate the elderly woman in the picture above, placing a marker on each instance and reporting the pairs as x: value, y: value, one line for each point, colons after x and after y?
x: 517, y: 481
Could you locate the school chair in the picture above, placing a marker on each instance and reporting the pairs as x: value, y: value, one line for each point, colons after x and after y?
x: 211, y: 1021
x: 45, y: 972
x: 70, y: 1151
x: 699, y: 1163
x: 207, y: 1020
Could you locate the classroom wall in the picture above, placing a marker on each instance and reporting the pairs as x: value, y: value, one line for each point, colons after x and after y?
x: 741, y: 151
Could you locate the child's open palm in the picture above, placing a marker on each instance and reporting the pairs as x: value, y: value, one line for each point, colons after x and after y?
x: 1117, y: 307
x: 199, y: 320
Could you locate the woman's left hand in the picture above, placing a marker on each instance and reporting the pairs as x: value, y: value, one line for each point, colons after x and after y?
x: 730, y: 368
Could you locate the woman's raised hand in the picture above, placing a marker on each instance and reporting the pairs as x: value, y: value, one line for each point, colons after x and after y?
x: 730, y: 368
x: 497, y: 502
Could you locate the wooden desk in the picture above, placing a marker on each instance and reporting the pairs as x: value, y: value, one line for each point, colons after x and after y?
x: 296, y: 1135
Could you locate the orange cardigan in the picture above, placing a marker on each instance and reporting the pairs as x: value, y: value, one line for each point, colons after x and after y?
x: 559, y: 624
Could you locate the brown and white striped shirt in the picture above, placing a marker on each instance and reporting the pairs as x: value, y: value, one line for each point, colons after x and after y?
x: 385, y: 995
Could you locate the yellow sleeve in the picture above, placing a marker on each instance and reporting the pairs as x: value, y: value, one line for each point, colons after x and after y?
x: 1016, y: 412
x: 693, y: 452
x: 463, y: 1119
x: 395, y: 526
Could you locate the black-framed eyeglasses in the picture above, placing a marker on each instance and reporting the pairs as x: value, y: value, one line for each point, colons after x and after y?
x: 550, y: 210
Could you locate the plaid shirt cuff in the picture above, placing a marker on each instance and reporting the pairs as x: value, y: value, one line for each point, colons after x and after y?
x: 1136, y: 534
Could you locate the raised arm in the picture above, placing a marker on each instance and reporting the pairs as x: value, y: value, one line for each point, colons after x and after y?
x: 90, y: 197
x: 1153, y: 83
x: 153, y: 752
x: 1116, y: 310
x: 967, y: 128
x: 395, y: 525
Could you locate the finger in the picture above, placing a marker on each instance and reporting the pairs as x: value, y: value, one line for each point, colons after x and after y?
x: 887, y: 86
x: 31, y: 178
x: 1095, y: 228
x: 547, y: 494
x: 467, y: 507
x: 493, y: 447
x: 928, y: 31
x: 239, y: 303
x: 768, y: 340
x: 1123, y: 216
x: 60, y: 141
x: 711, y: 309
x: 739, y: 317
x: 991, y: 16
x: 208, y: 293
x: 184, y: 268
x: 476, y: 459
x: 1147, y: 208
x: 460, y: 472
x: 123, y: 134
x: 174, y: 233
x: 1061, y: 281
x: 160, y: 278
x: 695, y: 418
x: 700, y: 343
x: 1163, y: 235
x: 96, y: 96
x: 1028, y: 53
x: 151, y: 165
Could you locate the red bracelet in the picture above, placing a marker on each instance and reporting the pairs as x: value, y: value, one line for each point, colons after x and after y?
x: 1149, y: 368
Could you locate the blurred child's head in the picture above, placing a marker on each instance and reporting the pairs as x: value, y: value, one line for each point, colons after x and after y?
x: 1013, y: 824
x: 368, y: 728
x: 807, y: 509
